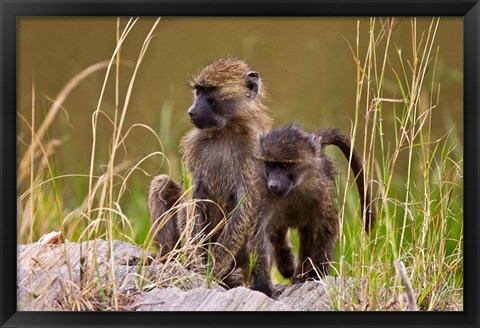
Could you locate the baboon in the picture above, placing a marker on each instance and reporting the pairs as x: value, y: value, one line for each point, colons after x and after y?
x: 163, y: 194
x: 295, y: 187
x: 228, y: 113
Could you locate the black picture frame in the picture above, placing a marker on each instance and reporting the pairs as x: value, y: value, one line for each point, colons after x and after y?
x: 10, y: 10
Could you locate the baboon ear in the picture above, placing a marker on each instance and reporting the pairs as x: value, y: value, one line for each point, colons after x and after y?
x: 260, y: 137
x: 315, y: 141
x: 253, y: 83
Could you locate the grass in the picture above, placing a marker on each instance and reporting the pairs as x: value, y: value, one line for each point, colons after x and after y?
x: 415, y: 248
x: 419, y: 205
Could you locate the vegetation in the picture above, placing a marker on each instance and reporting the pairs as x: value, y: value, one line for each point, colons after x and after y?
x: 417, y: 179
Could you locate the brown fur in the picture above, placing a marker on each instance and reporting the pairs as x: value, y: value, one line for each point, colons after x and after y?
x: 220, y: 159
x: 335, y: 137
x: 306, y: 198
x: 163, y: 194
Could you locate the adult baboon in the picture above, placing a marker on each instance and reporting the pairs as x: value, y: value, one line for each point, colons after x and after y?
x: 228, y: 113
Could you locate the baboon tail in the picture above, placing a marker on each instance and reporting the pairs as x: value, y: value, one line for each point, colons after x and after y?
x: 337, y: 138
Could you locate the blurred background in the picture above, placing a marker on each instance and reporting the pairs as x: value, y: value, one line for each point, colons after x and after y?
x: 306, y: 64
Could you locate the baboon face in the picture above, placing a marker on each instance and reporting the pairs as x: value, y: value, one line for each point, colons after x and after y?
x: 204, y: 111
x: 280, y: 177
x: 287, y: 154
x: 221, y: 90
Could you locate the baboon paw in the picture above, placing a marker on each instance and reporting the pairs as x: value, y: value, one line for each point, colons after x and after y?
x: 297, y: 281
x: 286, y: 271
x: 264, y: 288
x: 299, y: 278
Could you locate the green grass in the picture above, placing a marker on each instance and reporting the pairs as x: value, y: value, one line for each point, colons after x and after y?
x: 420, y: 215
x: 416, y: 177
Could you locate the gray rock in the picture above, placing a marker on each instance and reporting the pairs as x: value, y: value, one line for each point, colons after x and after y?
x: 202, y: 299
x: 54, y: 274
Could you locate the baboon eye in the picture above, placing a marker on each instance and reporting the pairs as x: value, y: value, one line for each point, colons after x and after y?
x: 202, y: 89
x: 285, y: 165
x: 269, y: 164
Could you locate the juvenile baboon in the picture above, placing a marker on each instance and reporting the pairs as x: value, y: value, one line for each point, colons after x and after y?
x: 296, y: 188
x: 228, y: 113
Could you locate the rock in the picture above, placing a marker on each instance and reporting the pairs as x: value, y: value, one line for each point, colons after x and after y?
x: 202, y: 299
x: 56, y: 274
x: 50, y: 274
x: 309, y: 296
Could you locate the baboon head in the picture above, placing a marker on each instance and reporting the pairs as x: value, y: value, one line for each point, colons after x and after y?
x: 225, y: 90
x: 288, y: 155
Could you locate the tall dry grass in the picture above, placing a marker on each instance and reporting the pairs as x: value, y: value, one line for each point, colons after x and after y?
x: 420, y: 207
x: 100, y: 214
x: 416, y: 246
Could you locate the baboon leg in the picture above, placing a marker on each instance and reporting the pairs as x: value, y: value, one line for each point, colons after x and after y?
x: 308, y: 236
x: 238, y: 275
x: 163, y: 194
x: 326, y: 241
x: 260, y: 260
x: 322, y: 264
x: 262, y: 282
x: 324, y: 252
x: 283, y: 252
x: 196, y: 227
x: 236, y: 278
x: 322, y: 261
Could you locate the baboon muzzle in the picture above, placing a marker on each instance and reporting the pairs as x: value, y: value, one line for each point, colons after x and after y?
x: 200, y: 117
x: 276, y: 188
